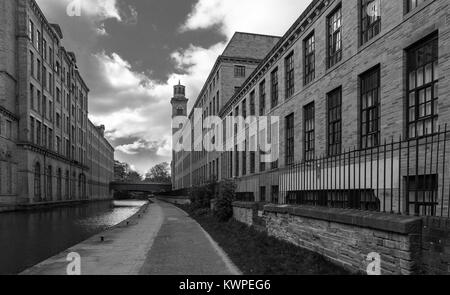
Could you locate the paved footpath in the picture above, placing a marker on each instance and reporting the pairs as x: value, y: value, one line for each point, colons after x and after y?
x: 164, y: 240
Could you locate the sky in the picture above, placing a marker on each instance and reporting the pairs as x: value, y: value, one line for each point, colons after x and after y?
x: 131, y: 53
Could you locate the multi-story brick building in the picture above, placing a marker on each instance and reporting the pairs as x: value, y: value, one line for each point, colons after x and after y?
x: 51, y: 151
x: 347, y: 77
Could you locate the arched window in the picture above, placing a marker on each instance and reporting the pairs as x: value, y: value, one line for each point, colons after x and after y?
x: 49, y: 183
x: 67, y: 185
x: 37, y: 182
x: 59, y: 185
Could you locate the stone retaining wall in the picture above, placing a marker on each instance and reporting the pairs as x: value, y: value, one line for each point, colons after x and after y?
x: 346, y: 237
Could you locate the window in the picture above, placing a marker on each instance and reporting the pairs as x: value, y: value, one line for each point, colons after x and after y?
x: 31, y: 31
x: 38, y: 132
x: 244, y: 159
x: 334, y: 37
x: 32, y: 96
x: 423, y: 88
x: 252, y: 162
x: 38, y: 103
x: 239, y: 71
x: 44, y: 106
x: 289, y: 79
x: 422, y: 194
x: 252, y: 104
x: 37, y: 182
x: 274, y: 88
x: 31, y: 64
x: 236, y: 89
x: 289, y: 155
x: 44, y: 77
x: 49, y: 184
x: 44, y: 48
x: 309, y: 133
x: 412, y: 4
x: 334, y: 122
x: 370, y: 19
x: 58, y: 95
x: 38, y: 41
x: 32, y: 130
x: 59, y: 184
x: 275, y: 193
x: 262, y: 194
x: 262, y: 98
x: 67, y: 185
x: 370, y: 109
x: 310, y: 59
x: 244, y: 108
x: 58, y: 120
x: 38, y: 70
x: 218, y: 102
x: 236, y: 161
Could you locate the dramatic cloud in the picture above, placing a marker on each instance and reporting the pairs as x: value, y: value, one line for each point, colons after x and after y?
x: 94, y: 12
x: 253, y: 16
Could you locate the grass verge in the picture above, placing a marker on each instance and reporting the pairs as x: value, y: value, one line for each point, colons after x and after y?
x: 255, y: 253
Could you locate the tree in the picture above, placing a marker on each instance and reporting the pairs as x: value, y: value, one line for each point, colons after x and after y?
x: 159, y: 174
x: 133, y: 177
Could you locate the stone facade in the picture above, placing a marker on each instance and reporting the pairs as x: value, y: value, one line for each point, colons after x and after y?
x: 387, y: 51
x: 52, y: 152
x: 244, y: 50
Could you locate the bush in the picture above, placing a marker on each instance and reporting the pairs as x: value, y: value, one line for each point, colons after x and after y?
x: 224, y: 203
x: 201, y: 196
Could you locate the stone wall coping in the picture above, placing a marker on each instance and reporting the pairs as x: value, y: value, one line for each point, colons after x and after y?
x: 375, y: 220
x: 245, y: 205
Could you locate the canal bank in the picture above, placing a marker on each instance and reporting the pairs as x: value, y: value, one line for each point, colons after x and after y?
x: 160, y: 239
x: 47, y: 205
x: 31, y: 236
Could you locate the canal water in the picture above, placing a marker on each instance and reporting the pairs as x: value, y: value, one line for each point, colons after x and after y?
x: 27, y: 238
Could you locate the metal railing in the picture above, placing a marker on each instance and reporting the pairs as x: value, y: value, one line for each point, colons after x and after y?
x: 399, y: 176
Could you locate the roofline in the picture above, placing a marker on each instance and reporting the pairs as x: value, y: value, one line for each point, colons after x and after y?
x: 277, y: 47
x: 46, y: 22
x: 250, y: 34
x: 219, y: 59
x: 258, y: 34
x: 104, y: 138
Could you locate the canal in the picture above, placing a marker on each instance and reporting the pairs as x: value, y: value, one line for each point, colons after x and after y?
x: 29, y: 237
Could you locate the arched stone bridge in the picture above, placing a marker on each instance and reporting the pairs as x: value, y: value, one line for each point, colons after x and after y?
x: 141, y: 187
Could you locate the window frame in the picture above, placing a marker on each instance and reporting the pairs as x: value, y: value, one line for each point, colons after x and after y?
x: 239, y: 71
x: 309, y: 139
x: 289, y: 79
x: 366, y: 24
x: 334, y: 147
x: 365, y: 130
x: 432, y: 41
x: 289, y: 155
x: 274, y: 88
x: 309, y: 59
x: 334, y: 56
x: 262, y: 98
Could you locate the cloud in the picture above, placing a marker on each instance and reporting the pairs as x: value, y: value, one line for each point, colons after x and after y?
x: 253, y: 16
x: 138, y: 147
x: 94, y: 12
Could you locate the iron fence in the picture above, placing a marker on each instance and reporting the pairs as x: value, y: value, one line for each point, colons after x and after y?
x: 399, y: 176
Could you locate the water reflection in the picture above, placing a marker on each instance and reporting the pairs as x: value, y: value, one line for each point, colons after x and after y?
x: 26, y: 238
